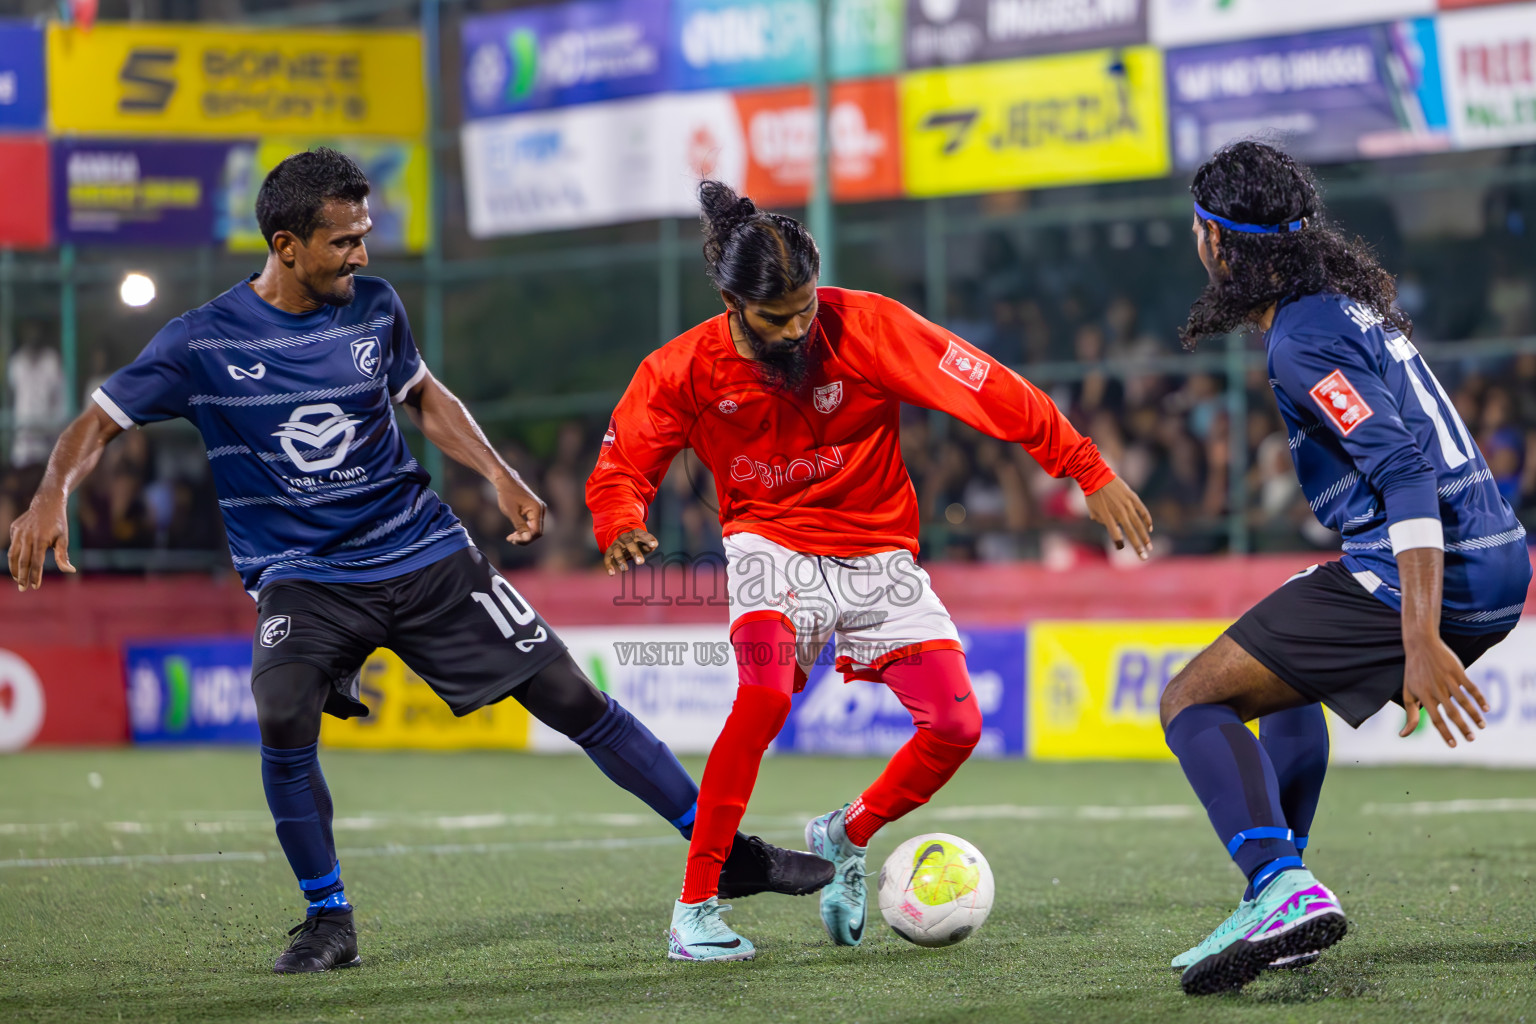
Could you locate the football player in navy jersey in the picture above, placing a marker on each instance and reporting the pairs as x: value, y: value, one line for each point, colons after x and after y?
x: 291, y: 376
x: 1434, y: 569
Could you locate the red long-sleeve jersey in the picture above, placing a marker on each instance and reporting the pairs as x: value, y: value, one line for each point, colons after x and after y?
x: 819, y: 472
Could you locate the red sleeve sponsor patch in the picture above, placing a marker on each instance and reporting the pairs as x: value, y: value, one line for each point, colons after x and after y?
x: 965, y: 366
x: 1340, y: 402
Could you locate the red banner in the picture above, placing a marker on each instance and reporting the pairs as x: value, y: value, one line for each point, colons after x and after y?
x: 25, y: 215
x: 61, y: 695
x: 780, y: 129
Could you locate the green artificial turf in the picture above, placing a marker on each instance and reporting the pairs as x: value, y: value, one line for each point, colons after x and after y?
x: 501, y: 887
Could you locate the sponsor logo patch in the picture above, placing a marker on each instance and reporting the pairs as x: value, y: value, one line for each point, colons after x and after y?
x: 610, y: 435
x: 241, y: 373
x: 829, y: 396
x: 1340, y: 402
x: 335, y: 428
x: 965, y: 366
x: 275, y: 630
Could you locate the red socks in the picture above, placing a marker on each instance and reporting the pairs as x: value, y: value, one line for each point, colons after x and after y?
x: 935, y: 687
x: 762, y: 704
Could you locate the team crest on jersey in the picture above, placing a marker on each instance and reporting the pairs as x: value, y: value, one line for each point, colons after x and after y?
x: 829, y: 396
x: 275, y: 630
x: 964, y: 366
x: 365, y: 356
x: 611, y: 434
x: 1340, y: 402
x: 318, y: 436
x: 727, y: 407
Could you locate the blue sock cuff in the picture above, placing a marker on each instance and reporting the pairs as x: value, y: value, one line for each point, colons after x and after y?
x: 1300, y: 842
x: 330, y: 878
x: 616, y: 720
x: 686, y: 818
x: 298, y: 755
x: 1262, y: 832
x: 335, y: 901
x: 1267, y: 873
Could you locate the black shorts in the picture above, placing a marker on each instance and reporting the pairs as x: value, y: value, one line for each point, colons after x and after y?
x: 1327, y: 637
x: 456, y: 623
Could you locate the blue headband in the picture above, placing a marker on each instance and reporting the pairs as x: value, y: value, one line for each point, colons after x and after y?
x: 1248, y: 229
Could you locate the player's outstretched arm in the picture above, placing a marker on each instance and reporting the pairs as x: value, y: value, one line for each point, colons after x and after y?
x: 444, y: 421
x: 44, y: 526
x: 1433, y: 676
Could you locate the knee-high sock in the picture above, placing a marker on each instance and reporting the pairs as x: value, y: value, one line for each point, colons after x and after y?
x: 762, y: 704
x: 632, y: 757
x: 1234, y: 779
x: 936, y: 688
x: 301, y: 807
x: 1297, y: 744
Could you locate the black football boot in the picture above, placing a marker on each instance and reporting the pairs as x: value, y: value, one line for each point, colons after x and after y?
x: 323, y: 941
x: 754, y: 866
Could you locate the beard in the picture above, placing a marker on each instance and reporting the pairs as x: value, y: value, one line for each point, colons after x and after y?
x: 783, y: 366
x: 342, y: 294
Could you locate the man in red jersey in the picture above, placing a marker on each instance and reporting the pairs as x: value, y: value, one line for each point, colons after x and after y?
x: 792, y: 400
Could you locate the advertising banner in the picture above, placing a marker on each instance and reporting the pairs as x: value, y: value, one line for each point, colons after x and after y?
x: 1490, y: 75
x: 1182, y: 22
x: 23, y: 86
x: 567, y: 53
x: 679, y: 680
x: 1071, y: 119
x: 1343, y: 94
x: 25, y: 216
x: 1507, y: 677
x: 970, y: 31
x: 399, y: 174
x: 191, y: 690
x: 866, y: 719
x: 162, y: 79
x: 123, y: 191
x: 599, y: 163
x: 1094, y: 687
x: 780, y: 129
x: 719, y: 44
x: 404, y: 713
x: 61, y: 695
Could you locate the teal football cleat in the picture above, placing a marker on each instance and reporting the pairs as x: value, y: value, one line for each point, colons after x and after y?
x: 1284, y: 963
x: 845, y: 899
x: 699, y: 934
x: 1295, y: 916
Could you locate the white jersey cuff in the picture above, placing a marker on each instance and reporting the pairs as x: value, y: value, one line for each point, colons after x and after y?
x: 1408, y: 534
x: 399, y: 396
x: 112, y: 409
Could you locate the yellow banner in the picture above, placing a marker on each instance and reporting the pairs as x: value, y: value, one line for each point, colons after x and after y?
x: 1084, y: 117
x: 186, y: 80
x: 405, y: 714
x: 399, y: 200
x: 1094, y: 687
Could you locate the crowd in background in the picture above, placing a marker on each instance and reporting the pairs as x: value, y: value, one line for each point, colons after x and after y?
x: 1169, y: 434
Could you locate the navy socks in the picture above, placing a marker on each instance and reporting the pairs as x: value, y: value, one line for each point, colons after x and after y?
x: 633, y: 758
x: 1297, y: 744
x: 301, y: 807
x: 1232, y: 775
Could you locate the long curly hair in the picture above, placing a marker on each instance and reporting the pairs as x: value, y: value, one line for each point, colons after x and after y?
x: 1254, y: 183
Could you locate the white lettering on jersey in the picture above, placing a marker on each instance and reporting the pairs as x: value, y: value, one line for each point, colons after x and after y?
x: 1364, y: 318
x: 316, y: 436
x: 254, y: 373
x: 797, y: 471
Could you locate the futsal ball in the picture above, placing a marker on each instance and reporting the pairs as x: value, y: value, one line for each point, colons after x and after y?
x: 935, y: 890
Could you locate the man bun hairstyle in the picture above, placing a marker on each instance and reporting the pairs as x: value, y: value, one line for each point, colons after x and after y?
x: 750, y: 254
x: 1261, y: 187
x: 296, y: 191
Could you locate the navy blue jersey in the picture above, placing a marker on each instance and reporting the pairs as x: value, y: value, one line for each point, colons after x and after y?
x: 314, y: 479
x: 1384, y: 458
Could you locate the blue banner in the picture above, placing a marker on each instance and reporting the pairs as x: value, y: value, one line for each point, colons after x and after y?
x: 23, y: 86
x: 126, y: 191
x: 723, y: 44
x: 571, y: 53
x: 864, y: 718
x: 1344, y: 94
x: 195, y: 690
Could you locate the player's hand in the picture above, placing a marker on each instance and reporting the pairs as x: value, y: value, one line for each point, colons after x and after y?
x: 42, y: 527
x: 1433, y: 678
x: 524, y: 508
x: 1117, y: 508
x: 632, y: 545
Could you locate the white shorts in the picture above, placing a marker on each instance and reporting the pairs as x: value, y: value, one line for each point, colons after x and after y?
x: 880, y: 608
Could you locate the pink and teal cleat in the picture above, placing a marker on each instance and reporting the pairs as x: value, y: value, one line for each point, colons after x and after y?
x: 1295, y: 916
